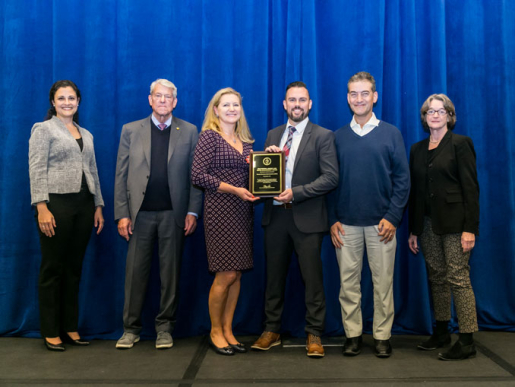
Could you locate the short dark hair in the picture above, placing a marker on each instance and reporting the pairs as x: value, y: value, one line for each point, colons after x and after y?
x: 56, y: 86
x: 295, y: 84
x: 362, y: 76
x: 448, y: 106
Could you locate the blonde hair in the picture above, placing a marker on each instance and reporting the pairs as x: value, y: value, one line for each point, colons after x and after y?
x: 212, y: 122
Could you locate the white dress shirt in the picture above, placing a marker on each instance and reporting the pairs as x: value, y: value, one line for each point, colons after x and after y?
x: 297, y: 137
x: 372, y: 123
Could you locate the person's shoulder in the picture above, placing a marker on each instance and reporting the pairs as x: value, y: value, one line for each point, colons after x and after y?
x: 419, y: 144
x: 279, y: 128
x: 44, y: 126
x: 182, y: 124
x: 344, y: 129
x: 460, y: 138
x: 387, y: 126
x: 85, y: 132
x: 134, y: 125
x: 461, y: 141
x: 318, y: 128
x: 209, y: 135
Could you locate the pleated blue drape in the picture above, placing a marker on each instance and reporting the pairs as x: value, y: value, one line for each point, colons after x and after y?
x: 113, y: 50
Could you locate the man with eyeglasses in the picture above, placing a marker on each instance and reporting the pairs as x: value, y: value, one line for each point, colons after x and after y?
x: 365, y: 211
x: 155, y: 200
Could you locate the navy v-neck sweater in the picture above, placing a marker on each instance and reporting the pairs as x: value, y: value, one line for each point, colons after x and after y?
x: 374, y: 177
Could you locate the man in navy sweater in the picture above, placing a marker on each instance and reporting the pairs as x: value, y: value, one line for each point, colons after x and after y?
x: 365, y: 210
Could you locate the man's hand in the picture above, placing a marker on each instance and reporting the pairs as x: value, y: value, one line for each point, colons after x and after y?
x: 336, y: 230
x: 190, y: 224
x: 386, y: 230
x: 286, y: 196
x: 273, y: 149
x: 125, y: 228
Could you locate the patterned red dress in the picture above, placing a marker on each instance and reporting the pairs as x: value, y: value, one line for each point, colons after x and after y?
x: 228, y: 220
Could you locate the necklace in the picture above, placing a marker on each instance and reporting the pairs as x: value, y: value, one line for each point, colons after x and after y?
x: 233, y: 139
x: 434, y: 142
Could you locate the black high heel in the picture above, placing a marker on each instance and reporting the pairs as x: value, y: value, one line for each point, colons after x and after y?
x: 54, y: 347
x: 240, y: 348
x: 79, y: 342
x: 226, y: 351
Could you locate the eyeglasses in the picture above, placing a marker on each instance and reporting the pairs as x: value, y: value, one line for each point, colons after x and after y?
x: 160, y: 96
x: 441, y: 112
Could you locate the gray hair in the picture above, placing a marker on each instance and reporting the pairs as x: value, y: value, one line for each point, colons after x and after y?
x: 165, y: 83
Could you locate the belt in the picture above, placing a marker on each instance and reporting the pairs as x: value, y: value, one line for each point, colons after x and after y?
x: 288, y: 206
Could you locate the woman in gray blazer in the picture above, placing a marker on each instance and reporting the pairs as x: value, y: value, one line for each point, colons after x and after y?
x: 65, y: 190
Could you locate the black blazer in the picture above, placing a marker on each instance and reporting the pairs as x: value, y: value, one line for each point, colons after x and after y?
x: 315, y: 173
x: 450, y: 180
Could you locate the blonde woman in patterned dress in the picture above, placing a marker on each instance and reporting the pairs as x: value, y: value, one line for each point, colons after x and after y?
x: 221, y: 168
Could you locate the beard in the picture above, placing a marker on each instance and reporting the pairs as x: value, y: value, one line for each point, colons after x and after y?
x: 299, y: 118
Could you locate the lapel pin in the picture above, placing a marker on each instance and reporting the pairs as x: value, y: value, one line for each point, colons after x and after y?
x: 177, y: 128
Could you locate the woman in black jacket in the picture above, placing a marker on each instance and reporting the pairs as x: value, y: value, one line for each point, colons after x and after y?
x: 444, y: 217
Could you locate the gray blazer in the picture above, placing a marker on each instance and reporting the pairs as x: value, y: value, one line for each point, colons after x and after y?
x: 315, y: 173
x: 56, y: 162
x: 133, y: 169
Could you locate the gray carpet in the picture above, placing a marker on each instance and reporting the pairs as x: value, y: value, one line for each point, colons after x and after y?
x: 192, y: 363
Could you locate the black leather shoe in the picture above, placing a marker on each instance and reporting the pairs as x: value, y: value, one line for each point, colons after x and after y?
x: 226, y: 351
x: 54, y: 347
x: 382, y: 348
x: 240, y: 348
x: 435, y: 341
x: 79, y: 342
x: 352, y: 346
x: 459, y: 352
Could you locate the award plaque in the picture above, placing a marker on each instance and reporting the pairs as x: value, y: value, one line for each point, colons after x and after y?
x: 266, y: 174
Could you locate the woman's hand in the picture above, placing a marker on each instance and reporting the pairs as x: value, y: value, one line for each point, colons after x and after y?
x: 241, y: 192
x: 99, y: 219
x: 412, y: 242
x: 244, y: 194
x: 468, y: 240
x: 46, y: 220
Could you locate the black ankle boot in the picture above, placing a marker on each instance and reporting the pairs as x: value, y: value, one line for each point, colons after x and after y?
x: 459, y: 352
x: 435, y: 341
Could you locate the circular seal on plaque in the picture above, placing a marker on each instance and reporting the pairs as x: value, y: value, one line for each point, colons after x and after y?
x: 267, y: 161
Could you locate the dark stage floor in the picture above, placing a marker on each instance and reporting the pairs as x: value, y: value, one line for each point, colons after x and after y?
x: 191, y: 363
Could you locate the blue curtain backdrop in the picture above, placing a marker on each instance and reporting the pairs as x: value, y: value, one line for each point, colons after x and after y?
x: 113, y: 50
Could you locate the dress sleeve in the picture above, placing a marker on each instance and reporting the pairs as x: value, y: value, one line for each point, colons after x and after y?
x: 203, y: 161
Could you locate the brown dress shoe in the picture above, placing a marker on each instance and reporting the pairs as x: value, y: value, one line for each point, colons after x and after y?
x: 266, y: 341
x: 314, y: 346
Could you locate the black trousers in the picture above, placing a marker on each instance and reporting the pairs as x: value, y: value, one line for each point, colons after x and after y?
x: 61, y: 262
x: 282, y: 237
